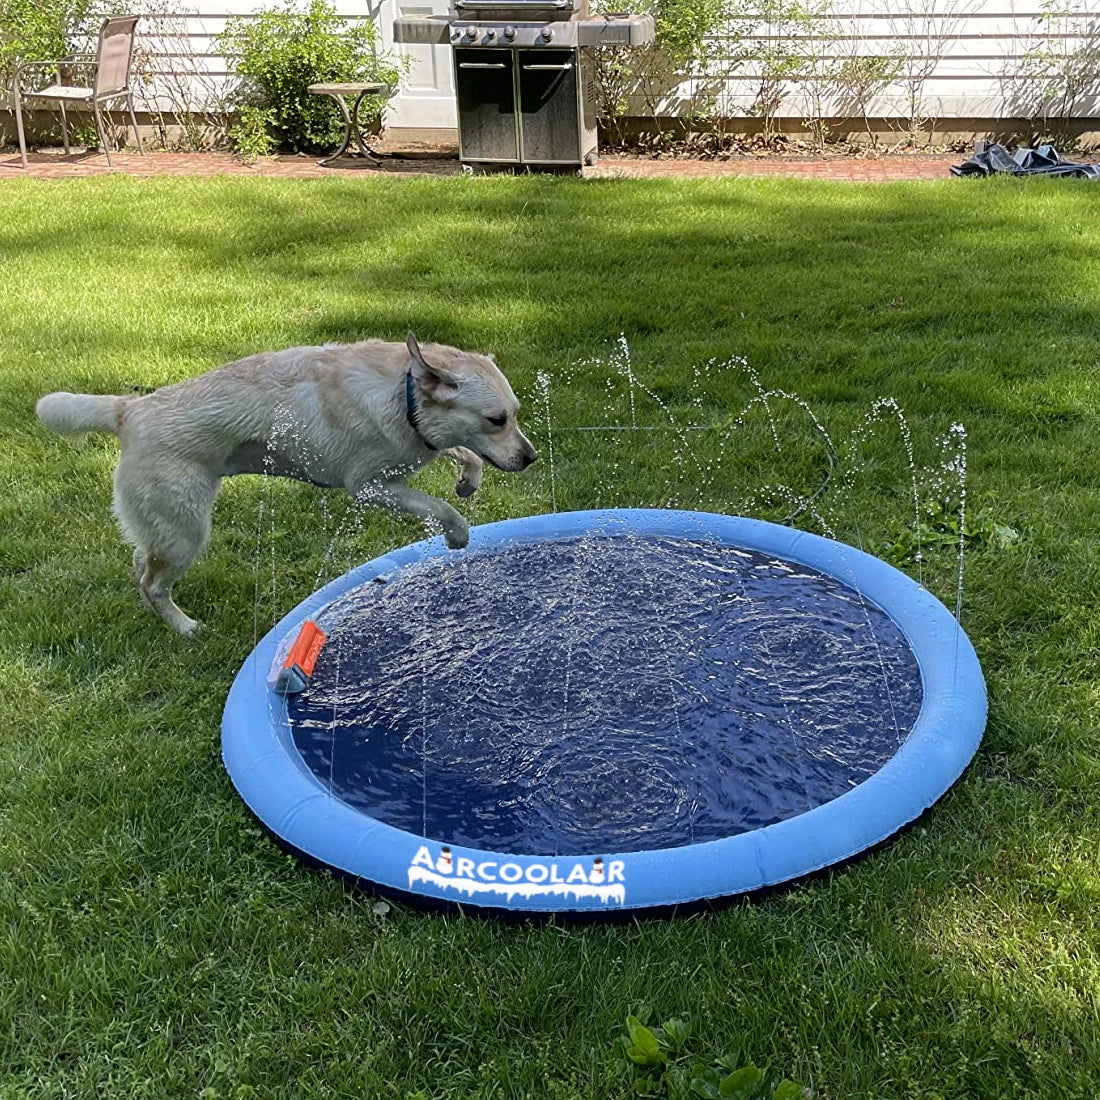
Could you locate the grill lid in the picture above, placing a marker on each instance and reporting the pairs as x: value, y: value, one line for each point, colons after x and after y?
x: 524, y: 9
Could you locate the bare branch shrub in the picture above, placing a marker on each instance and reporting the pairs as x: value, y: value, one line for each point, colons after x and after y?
x: 1057, y: 77
x: 861, y: 80
x: 822, y: 69
x: 781, y: 57
x: 700, y: 44
x: 186, y: 103
x: 925, y: 30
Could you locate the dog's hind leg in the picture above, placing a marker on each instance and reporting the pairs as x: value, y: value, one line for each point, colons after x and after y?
x: 163, y: 506
x: 139, y: 574
x: 155, y: 588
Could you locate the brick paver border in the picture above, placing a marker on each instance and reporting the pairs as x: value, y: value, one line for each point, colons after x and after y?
x: 55, y: 165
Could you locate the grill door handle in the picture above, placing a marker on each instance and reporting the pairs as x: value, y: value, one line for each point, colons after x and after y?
x: 482, y: 65
x: 549, y: 68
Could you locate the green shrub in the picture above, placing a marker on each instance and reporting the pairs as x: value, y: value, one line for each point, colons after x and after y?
x: 279, y: 53
x: 43, y: 30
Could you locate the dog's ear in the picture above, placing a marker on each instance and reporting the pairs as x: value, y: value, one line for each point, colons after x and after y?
x: 434, y: 381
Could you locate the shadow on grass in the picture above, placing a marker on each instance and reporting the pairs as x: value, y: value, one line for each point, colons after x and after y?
x: 154, y: 934
x: 561, y: 265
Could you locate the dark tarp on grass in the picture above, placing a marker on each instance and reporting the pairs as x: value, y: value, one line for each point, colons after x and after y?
x: 1044, y: 161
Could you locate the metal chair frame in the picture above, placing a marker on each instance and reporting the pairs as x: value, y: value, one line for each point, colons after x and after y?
x: 110, y: 66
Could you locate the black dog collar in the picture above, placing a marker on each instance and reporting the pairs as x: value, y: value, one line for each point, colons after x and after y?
x: 410, y: 410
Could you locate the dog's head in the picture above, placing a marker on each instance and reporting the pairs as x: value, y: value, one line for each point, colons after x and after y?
x: 463, y: 400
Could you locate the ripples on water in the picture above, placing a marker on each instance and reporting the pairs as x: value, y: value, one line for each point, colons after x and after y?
x: 602, y: 694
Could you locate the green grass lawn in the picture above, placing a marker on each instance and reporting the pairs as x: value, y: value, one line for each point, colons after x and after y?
x: 156, y: 944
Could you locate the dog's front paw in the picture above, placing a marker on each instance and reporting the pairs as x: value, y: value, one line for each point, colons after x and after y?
x: 457, y: 534
x: 465, y: 488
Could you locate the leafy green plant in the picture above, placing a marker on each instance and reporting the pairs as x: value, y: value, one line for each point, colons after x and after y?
x: 279, y: 53
x: 941, y: 528
x: 250, y: 135
x: 664, y: 1067
x: 44, y: 30
x: 84, y: 133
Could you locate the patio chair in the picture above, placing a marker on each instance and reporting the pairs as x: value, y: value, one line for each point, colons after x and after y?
x: 110, y: 80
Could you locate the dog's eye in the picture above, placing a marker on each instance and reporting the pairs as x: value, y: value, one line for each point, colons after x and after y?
x: 498, y: 421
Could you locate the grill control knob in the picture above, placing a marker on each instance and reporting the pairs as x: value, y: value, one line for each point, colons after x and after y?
x: 471, y: 32
x: 547, y: 33
x: 490, y: 33
x: 509, y: 33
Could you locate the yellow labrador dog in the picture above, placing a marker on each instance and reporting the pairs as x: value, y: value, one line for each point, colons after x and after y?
x: 362, y: 416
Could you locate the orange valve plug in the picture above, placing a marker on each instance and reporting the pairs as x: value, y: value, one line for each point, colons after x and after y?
x: 300, y: 661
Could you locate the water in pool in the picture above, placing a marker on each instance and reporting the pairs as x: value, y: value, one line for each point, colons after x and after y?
x: 610, y: 693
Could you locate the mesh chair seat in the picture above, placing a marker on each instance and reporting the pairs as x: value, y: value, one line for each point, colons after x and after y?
x: 60, y: 91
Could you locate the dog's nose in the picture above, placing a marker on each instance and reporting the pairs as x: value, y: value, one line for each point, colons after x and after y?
x: 528, y: 457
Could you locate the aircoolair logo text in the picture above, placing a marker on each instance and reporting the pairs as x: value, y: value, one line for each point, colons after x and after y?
x: 536, y: 879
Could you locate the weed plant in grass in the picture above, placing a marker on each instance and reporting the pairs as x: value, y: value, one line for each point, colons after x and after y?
x: 157, y: 944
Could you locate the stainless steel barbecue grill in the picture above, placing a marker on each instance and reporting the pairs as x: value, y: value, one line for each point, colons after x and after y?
x: 523, y: 76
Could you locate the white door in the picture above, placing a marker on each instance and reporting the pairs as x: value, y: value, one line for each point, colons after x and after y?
x: 426, y: 99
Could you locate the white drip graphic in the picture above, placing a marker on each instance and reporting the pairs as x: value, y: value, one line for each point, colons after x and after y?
x: 616, y: 892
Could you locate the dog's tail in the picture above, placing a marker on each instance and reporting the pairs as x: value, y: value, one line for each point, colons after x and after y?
x: 70, y: 413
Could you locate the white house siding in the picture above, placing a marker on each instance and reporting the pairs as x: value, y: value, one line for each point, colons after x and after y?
x: 977, y: 53
x: 181, y: 38
x: 979, y: 75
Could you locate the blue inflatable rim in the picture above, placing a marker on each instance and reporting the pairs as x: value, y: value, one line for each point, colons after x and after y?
x: 267, y: 771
